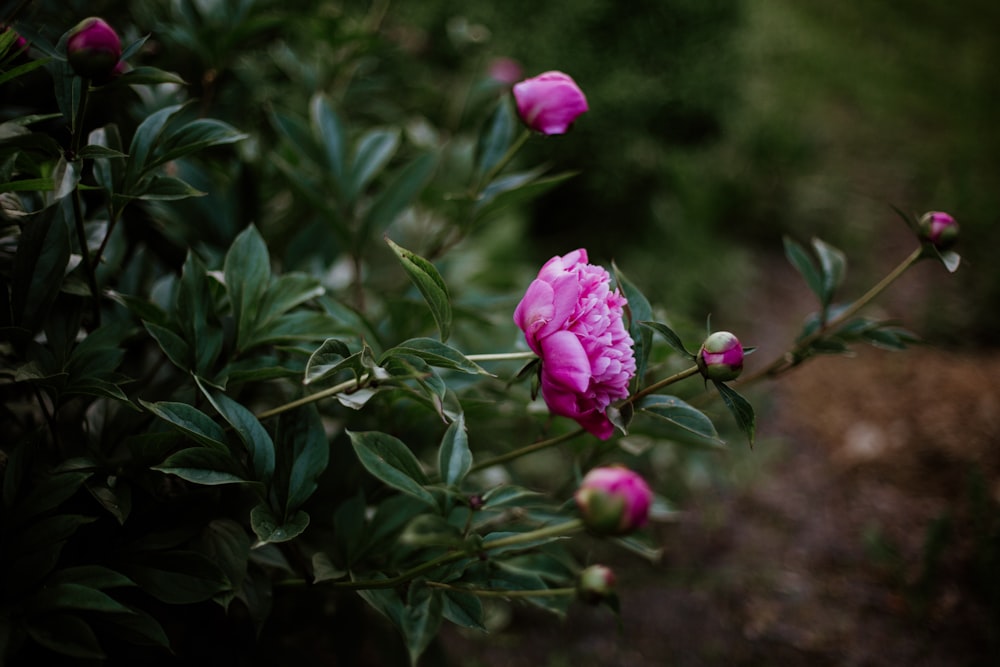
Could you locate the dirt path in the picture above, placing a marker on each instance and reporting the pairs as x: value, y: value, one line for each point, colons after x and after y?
x: 856, y: 542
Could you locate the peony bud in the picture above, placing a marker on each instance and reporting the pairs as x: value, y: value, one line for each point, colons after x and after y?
x: 613, y: 500
x: 595, y: 584
x: 549, y: 102
x: 939, y: 229
x: 721, y: 357
x: 93, y: 49
x: 20, y: 43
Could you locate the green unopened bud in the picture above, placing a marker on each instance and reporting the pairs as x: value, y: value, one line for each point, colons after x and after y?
x: 939, y: 229
x: 596, y: 583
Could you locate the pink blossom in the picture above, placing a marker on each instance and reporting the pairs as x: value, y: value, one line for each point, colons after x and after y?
x: 613, y: 500
x: 505, y: 70
x: 573, y: 320
x: 549, y: 102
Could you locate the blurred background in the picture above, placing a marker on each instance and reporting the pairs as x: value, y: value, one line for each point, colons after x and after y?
x: 862, y: 529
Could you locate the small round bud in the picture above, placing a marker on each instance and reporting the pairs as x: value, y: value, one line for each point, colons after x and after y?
x: 613, y: 500
x: 721, y: 357
x: 93, y: 48
x: 939, y: 229
x: 596, y: 583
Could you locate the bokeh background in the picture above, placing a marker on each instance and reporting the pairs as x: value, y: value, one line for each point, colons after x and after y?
x: 856, y: 532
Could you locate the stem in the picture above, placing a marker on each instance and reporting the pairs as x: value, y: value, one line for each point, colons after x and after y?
x: 112, y: 221
x: 501, y: 356
x: 502, y: 162
x: 789, y: 358
x: 567, y: 528
x: 81, y: 234
x: 656, y: 386
x: 312, y: 398
x: 494, y: 593
x: 529, y: 449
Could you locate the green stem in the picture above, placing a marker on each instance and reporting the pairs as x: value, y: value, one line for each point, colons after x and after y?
x: 81, y: 234
x: 502, y: 162
x: 567, y: 528
x: 501, y: 356
x: 529, y: 449
x: 495, y: 593
x: 791, y: 357
x: 312, y: 398
x: 656, y: 386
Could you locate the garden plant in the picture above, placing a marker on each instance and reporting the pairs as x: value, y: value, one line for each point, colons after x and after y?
x: 254, y: 347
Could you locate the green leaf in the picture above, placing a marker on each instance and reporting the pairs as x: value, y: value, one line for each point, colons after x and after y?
x: 742, y: 410
x: 286, y: 292
x: 496, y: 138
x: 43, y: 252
x: 431, y: 530
x: 65, y: 634
x: 324, y: 569
x: 331, y: 133
x: 269, y: 529
x: 195, y: 313
x: 164, y: 188
x: 95, y: 576
x: 248, y: 273
x: 832, y: 263
x: 299, y: 325
x: 515, y: 189
x: 371, y: 155
x: 193, y: 137
x: 191, y: 421
x: 176, y: 349
x: 421, y: 619
x: 302, y: 456
x: 463, y: 609
x: 65, y: 596
x: 682, y: 415
x: 454, y: 456
x: 328, y: 360
x: 203, y: 465
x: 799, y: 258
x: 436, y: 354
x: 175, y: 577
x: 673, y: 340
x: 638, y: 311
x: 425, y: 276
x: 256, y: 440
x: 147, y: 75
x: 398, y: 194
x: 391, y: 461
x: 143, y: 143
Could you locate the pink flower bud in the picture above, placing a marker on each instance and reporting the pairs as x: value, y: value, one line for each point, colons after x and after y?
x: 613, y: 500
x: 721, y: 357
x: 19, y: 41
x: 506, y: 71
x: 549, y: 102
x: 93, y: 48
x: 572, y: 319
x: 596, y: 583
x: 939, y: 229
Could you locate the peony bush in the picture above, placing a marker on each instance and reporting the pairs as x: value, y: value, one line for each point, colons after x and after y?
x: 244, y: 363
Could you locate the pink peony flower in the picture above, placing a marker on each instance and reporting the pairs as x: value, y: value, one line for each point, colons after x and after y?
x: 613, y: 500
x: 721, y: 357
x: 573, y: 321
x: 505, y: 70
x: 93, y: 48
x: 549, y: 102
x: 939, y: 229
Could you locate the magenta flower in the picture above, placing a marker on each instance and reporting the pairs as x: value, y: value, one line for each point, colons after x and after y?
x: 506, y: 71
x: 939, y: 229
x: 613, y: 500
x: 93, y: 48
x: 573, y: 320
x: 549, y: 102
x: 721, y: 357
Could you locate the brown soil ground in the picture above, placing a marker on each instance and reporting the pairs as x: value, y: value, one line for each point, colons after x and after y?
x: 858, y: 539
